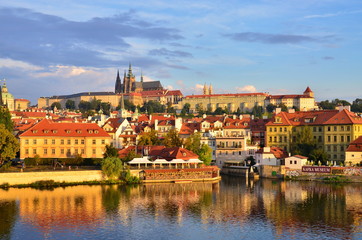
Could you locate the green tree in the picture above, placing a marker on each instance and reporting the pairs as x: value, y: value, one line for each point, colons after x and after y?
x: 9, y: 146
x: 257, y: 111
x: 283, y: 107
x: 112, y: 167
x: 318, y: 154
x: 303, y: 142
x: 5, y: 118
x: 95, y: 104
x: 153, y: 107
x: 219, y: 111
x: 357, y: 105
x: 130, y: 155
x: 110, y: 151
x: 172, y: 139
x: 193, y: 143
x: 70, y: 104
x: 186, y: 108
x: 270, y: 108
x: 56, y: 104
x: 84, y: 106
x: 106, y: 108
x: 149, y: 139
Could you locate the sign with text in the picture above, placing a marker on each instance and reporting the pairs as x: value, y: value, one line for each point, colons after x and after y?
x: 311, y: 169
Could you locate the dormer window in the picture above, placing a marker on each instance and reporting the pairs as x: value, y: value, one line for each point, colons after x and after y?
x: 90, y: 131
x: 95, y: 131
x: 35, y: 131
x: 79, y: 131
x: 246, y: 124
x: 55, y: 131
x: 278, y: 120
x: 67, y: 131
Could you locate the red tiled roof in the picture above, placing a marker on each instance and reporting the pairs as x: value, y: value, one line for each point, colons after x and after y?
x: 189, y: 128
x: 287, y: 96
x: 355, y: 146
x: 174, y: 93
x: 205, y: 169
x: 276, y: 151
x: 160, y: 152
x: 227, y: 95
x: 344, y: 117
x: 237, y: 123
x: 52, y: 129
x: 308, y: 90
x: 22, y: 100
x: 300, y: 156
x: 304, y: 118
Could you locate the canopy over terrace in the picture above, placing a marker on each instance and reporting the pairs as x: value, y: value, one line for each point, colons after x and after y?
x: 139, y: 161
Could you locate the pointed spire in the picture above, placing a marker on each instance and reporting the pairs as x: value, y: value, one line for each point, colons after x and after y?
x: 130, y: 70
x: 211, y: 91
x: 205, y: 89
x: 118, y: 84
x: 1, y: 97
x: 141, y: 76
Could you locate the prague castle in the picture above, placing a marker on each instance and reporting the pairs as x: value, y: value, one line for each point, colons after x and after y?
x: 246, y: 101
x: 132, y: 90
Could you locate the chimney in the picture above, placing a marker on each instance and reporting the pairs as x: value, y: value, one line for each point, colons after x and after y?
x: 278, y: 110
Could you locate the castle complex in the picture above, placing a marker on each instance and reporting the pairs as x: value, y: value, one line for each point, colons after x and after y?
x: 132, y: 90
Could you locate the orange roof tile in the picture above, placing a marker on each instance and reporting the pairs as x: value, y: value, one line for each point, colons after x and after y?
x: 228, y: 95
x: 53, y: 129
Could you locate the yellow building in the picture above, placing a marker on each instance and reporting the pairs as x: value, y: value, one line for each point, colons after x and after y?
x: 303, y: 102
x: 50, y: 139
x: 243, y: 101
x: 332, y: 130
x: 22, y: 104
x: 354, y: 152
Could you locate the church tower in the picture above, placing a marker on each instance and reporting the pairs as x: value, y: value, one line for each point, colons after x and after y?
x: 211, y: 90
x: 118, y: 87
x: 128, y: 80
x: 205, y: 89
x: 308, y: 92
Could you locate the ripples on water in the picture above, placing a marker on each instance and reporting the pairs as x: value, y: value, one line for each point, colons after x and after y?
x: 231, y: 209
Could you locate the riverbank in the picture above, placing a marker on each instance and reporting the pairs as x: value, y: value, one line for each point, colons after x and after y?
x: 327, y: 178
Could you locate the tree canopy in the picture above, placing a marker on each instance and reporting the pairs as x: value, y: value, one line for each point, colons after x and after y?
x: 9, y: 145
x: 149, y: 139
x: 303, y: 142
x: 172, y: 139
x: 70, y: 104
x: 110, y: 151
x: 5, y: 118
x: 193, y: 143
x: 112, y: 167
x: 56, y: 104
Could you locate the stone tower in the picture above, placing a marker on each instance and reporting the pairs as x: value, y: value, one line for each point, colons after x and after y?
x: 211, y: 90
x: 118, y: 87
x: 205, y: 89
x: 128, y: 81
x: 308, y: 92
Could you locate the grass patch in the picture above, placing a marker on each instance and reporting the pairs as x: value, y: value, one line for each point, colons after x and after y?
x: 336, y: 179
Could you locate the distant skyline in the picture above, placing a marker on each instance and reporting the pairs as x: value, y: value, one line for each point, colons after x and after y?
x: 280, y: 47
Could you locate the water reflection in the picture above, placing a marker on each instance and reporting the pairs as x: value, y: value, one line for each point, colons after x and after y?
x: 229, y: 209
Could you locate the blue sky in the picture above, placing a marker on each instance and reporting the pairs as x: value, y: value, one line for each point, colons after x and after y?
x: 280, y: 47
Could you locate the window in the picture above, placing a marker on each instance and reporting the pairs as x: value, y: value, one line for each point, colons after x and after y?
x: 275, y: 139
x: 348, y: 128
x: 34, y: 141
x: 281, y: 129
x: 62, y: 141
x: 45, y: 151
x: 82, y: 151
x: 295, y: 162
x: 94, y: 151
x: 61, y: 151
x: 53, y: 151
x: 275, y: 129
x: 291, y: 162
x: 82, y: 141
x: 76, y: 151
x: 342, y: 138
x: 76, y: 141
x: 103, y: 141
x: 45, y: 141
x: 335, y: 138
x: 335, y: 148
x: 285, y: 129
x: 314, y: 129
x: 68, y: 141
x: 53, y: 141
x: 26, y: 141
x: 342, y: 148
x: 26, y: 151
x: 348, y: 138
x: 328, y: 148
x: 94, y: 141
x: 34, y: 151
x: 329, y: 138
x: 270, y: 139
x: 335, y: 128
x: 342, y: 128
x: 329, y: 129
x: 270, y: 129
x: 319, y: 138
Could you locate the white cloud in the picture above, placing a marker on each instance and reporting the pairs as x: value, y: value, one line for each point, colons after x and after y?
x: 169, y: 87
x: 246, y: 88
x: 10, y: 63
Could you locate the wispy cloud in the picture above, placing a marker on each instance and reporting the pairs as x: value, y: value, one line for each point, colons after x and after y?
x: 328, y: 58
x: 269, y: 38
x: 336, y: 14
x: 169, y: 53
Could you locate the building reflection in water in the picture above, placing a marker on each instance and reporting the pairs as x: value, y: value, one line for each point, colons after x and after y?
x: 289, y: 209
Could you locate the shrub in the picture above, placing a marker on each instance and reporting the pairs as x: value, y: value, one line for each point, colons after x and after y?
x: 128, y: 178
x: 112, y: 167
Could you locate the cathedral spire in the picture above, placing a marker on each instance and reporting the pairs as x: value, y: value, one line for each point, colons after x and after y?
x: 141, y: 76
x: 118, y: 84
x: 205, y: 89
x: 130, y: 70
x: 210, y: 90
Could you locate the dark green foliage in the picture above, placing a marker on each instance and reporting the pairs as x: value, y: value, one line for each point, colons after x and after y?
x: 70, y: 104
x: 257, y: 111
x: 193, y: 143
x: 110, y: 151
x: 112, y: 167
x: 304, y: 142
x: 357, y: 105
x: 318, y: 154
x: 57, y: 105
x: 5, y: 118
x: 84, y: 106
x: 149, y: 139
x: 172, y: 139
x: 9, y: 145
x: 333, y: 104
x: 131, y: 155
x: 270, y: 108
x: 106, y: 108
x: 128, y: 178
x: 153, y: 107
x: 219, y: 111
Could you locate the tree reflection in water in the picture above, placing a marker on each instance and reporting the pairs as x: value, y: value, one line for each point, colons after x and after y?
x: 8, y: 216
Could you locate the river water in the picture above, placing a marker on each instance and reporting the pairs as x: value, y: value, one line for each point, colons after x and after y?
x: 233, y: 208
